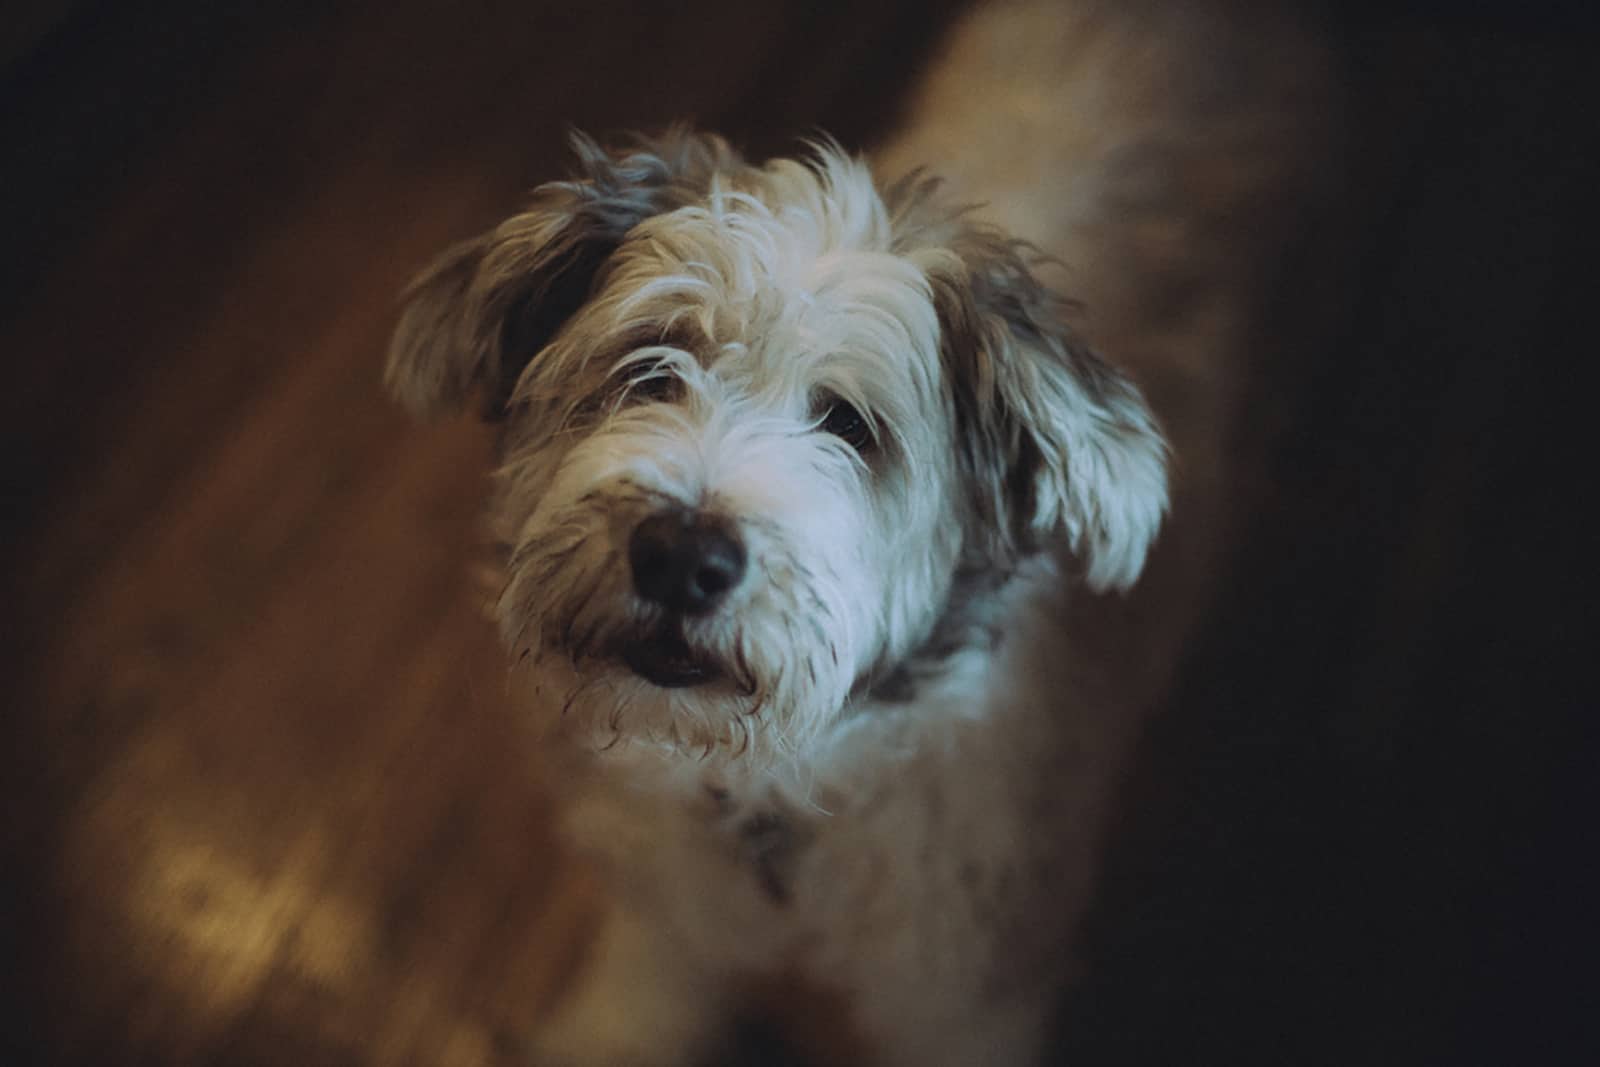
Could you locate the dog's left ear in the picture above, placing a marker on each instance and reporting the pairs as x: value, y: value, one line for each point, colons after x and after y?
x: 1057, y: 441
x: 474, y: 319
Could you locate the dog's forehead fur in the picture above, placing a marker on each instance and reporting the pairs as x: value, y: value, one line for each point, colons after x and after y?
x: 782, y: 281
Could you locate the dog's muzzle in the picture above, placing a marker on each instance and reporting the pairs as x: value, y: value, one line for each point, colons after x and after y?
x: 685, y: 563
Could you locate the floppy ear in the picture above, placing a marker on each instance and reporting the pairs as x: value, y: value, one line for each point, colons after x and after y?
x: 1055, y: 441
x: 475, y: 318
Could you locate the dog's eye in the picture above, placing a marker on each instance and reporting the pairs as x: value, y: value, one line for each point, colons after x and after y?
x: 658, y: 388
x: 847, y: 424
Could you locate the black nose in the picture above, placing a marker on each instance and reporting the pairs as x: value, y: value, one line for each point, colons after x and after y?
x: 684, y: 561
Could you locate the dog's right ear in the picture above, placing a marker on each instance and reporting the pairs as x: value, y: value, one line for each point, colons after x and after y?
x: 474, y: 319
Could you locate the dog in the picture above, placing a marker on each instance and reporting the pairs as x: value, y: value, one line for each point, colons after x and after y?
x: 810, y: 481
x: 796, y: 469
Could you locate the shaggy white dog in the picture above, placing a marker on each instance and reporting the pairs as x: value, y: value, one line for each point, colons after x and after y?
x: 791, y: 460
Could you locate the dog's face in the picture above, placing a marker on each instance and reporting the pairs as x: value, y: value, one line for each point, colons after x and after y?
x: 756, y: 421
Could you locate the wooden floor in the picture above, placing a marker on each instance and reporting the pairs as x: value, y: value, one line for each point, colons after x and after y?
x: 264, y: 801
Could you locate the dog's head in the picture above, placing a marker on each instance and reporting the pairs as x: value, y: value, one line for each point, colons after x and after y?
x: 755, y: 422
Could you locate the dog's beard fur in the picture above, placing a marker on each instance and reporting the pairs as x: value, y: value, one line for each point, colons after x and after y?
x: 669, y: 330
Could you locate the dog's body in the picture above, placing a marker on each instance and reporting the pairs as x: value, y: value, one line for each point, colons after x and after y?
x: 799, y: 470
x: 926, y: 863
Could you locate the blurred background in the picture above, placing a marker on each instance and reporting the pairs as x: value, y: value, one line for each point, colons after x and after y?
x: 265, y: 799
